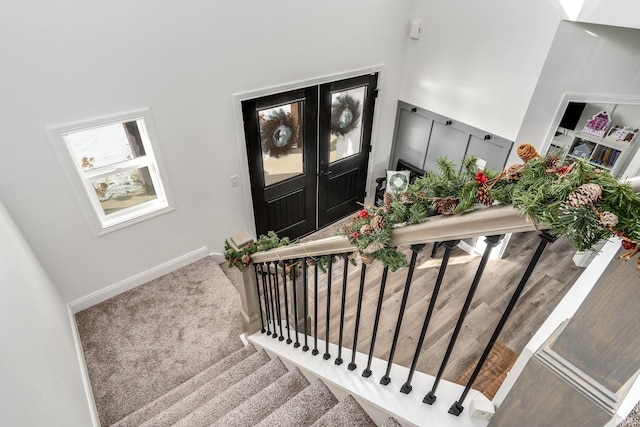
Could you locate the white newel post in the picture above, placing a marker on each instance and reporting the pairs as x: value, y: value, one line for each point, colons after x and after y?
x: 246, y: 280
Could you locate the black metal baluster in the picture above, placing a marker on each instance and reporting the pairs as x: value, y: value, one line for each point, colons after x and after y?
x: 546, y: 239
x: 449, y: 246
x: 295, y: 303
x: 327, y: 355
x: 273, y: 302
x: 415, y: 249
x: 286, y: 299
x: 339, y: 360
x: 305, y: 282
x: 276, y: 286
x: 315, y: 350
x: 255, y: 270
x: 266, y: 299
x: 367, y: 372
x: 363, y: 273
x: 491, y: 242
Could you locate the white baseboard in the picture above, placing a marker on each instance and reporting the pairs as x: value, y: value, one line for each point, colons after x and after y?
x: 93, y: 410
x: 218, y: 258
x: 137, y: 280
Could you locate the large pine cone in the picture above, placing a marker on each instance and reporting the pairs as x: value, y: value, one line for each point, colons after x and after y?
x: 527, y: 152
x: 554, y: 162
x: 366, y: 229
x: 514, y: 172
x: 447, y: 205
x: 406, y: 198
x: 483, y: 196
x: 388, y: 200
x: 607, y: 220
x: 378, y: 222
x: 586, y: 194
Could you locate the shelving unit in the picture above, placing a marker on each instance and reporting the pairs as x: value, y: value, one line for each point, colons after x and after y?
x: 613, y: 151
x: 602, y: 152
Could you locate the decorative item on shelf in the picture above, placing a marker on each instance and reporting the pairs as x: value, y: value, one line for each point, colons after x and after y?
x: 622, y: 134
x: 279, y: 133
x: 345, y: 113
x: 557, y: 150
x: 582, y: 151
x: 598, y: 124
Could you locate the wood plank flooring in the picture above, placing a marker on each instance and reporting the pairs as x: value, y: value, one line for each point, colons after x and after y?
x: 549, y: 282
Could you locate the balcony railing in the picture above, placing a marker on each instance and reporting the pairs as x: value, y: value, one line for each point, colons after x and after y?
x: 282, y: 281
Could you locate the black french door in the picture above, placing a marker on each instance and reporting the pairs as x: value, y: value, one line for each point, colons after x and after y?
x: 308, y: 151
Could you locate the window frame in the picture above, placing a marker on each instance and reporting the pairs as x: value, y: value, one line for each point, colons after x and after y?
x: 82, y: 179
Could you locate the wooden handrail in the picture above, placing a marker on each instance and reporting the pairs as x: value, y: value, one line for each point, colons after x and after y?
x: 501, y: 219
x: 483, y: 222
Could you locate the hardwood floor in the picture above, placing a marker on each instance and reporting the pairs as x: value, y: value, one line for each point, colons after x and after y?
x: 549, y: 282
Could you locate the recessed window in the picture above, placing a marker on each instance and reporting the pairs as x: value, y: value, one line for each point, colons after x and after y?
x: 117, y: 169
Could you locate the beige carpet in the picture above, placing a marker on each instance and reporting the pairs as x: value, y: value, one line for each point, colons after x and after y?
x: 144, y: 342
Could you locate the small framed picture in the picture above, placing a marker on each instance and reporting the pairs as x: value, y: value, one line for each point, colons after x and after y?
x: 557, y: 150
x: 622, y: 134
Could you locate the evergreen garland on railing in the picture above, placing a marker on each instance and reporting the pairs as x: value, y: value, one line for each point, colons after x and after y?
x: 242, y: 257
x: 577, y: 201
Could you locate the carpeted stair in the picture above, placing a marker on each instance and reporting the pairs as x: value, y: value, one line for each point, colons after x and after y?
x: 247, y: 389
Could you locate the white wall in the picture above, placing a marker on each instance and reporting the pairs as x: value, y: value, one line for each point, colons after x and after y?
x: 584, y: 59
x: 619, y: 13
x: 479, y: 62
x: 72, y: 60
x: 41, y: 383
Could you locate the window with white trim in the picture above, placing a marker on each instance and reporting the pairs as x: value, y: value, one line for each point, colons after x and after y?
x: 117, y: 169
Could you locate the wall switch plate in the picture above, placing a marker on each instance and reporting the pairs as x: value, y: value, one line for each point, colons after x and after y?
x: 415, y: 28
x: 234, y: 181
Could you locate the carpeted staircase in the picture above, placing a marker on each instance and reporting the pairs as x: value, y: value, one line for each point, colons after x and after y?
x: 248, y: 388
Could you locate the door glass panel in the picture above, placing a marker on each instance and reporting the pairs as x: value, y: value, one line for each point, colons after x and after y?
x: 281, y: 134
x: 123, y: 190
x: 346, y: 123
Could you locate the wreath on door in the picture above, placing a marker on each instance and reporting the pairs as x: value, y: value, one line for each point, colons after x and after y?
x: 279, y: 133
x: 345, y: 113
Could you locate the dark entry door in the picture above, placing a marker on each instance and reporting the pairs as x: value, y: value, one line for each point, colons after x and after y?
x: 346, y: 116
x: 308, y: 151
x: 281, y: 138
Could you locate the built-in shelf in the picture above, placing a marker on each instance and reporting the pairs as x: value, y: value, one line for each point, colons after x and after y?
x: 612, y: 150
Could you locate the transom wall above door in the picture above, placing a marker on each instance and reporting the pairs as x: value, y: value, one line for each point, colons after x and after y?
x: 421, y: 137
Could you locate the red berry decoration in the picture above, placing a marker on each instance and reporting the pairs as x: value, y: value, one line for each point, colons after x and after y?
x: 481, y: 178
x: 628, y: 245
x: 364, y: 213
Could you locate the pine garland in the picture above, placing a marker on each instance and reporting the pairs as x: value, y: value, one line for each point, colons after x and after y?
x: 242, y: 257
x: 577, y: 201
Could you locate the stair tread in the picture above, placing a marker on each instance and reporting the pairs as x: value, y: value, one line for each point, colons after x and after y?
x: 347, y: 413
x: 261, y: 404
x: 303, y: 409
x: 233, y: 396
x: 166, y: 400
x: 208, y: 391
